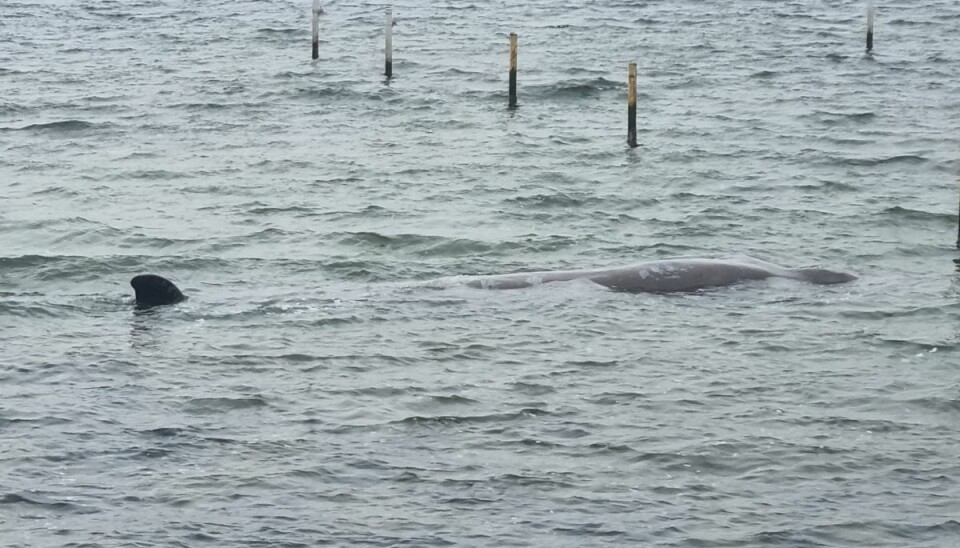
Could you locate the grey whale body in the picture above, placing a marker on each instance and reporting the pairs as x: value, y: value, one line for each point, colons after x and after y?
x: 666, y: 276
x: 663, y: 276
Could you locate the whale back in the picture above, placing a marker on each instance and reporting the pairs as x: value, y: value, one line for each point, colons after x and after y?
x: 153, y: 290
x: 667, y: 275
x: 678, y: 275
x: 822, y: 276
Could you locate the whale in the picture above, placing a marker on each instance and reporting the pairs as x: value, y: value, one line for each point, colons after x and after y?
x: 151, y: 290
x: 655, y: 276
x: 666, y: 275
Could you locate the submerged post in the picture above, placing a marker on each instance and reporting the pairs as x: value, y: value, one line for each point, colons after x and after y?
x: 632, y: 106
x: 316, y: 29
x: 513, y: 70
x: 871, y: 13
x: 388, y: 67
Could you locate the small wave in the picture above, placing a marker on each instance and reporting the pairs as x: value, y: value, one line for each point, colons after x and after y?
x: 943, y: 405
x: 852, y: 533
x: 203, y: 106
x: 281, y: 210
x: 287, y: 31
x: 532, y: 389
x: 299, y: 358
x: 907, y: 214
x: 139, y: 155
x: 534, y: 244
x: 378, y: 391
x: 32, y: 261
x: 46, y: 421
x: 350, y: 270
x: 63, y: 267
x: 950, y: 526
x: 685, y: 82
x: 847, y: 423
x: 54, y: 190
x: 108, y: 12
x: 62, y: 126
x: 266, y: 235
x: 151, y: 453
x: 458, y: 247
x: 555, y: 200
x: 396, y: 241
x: 221, y: 405
x: 37, y: 500
x: 849, y: 140
x: 455, y: 72
x: 610, y: 449
x: 77, y: 235
x: 164, y: 432
x: 907, y: 159
x: 572, y: 90
x: 290, y: 75
x: 840, y: 118
x: 827, y: 186
x: 333, y: 92
x: 593, y: 363
x: 283, y: 165
x: 616, y: 398
x: 899, y: 22
x: 861, y: 116
x: 150, y: 175
x: 445, y: 420
x: 452, y: 400
x: 765, y: 74
x: 531, y: 443
x: 36, y: 310
x: 552, y: 480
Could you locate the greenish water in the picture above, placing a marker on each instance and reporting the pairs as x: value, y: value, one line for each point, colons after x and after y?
x: 312, y: 391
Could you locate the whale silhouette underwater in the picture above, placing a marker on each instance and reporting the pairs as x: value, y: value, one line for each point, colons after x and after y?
x: 658, y: 276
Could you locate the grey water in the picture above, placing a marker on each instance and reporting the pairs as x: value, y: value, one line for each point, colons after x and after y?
x: 314, y: 391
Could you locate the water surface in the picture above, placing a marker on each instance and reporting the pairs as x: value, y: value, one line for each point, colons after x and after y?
x: 313, y: 391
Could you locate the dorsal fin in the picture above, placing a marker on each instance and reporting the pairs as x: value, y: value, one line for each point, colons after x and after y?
x: 153, y: 290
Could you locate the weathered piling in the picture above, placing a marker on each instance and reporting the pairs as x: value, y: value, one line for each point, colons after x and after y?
x: 388, y: 48
x: 316, y: 29
x: 632, y: 105
x: 871, y: 14
x: 513, y: 70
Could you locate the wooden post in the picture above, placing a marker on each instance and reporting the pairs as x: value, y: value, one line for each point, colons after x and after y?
x: 316, y: 29
x: 388, y: 70
x: 632, y: 105
x: 513, y: 70
x: 871, y: 12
